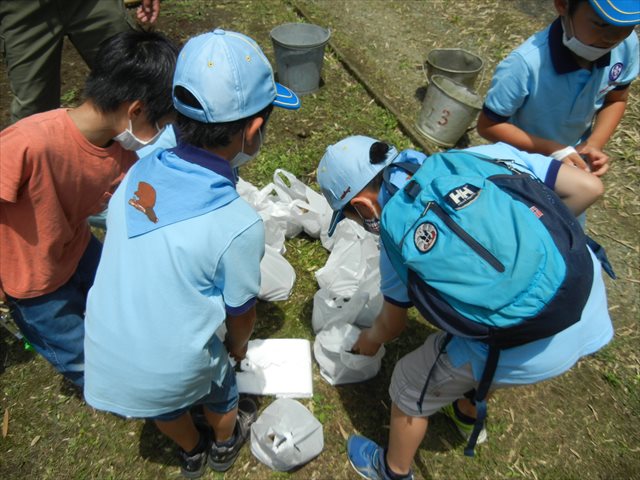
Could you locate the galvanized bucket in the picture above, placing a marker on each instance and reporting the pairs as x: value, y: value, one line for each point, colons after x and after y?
x: 455, y: 63
x: 299, y: 50
x: 448, y: 109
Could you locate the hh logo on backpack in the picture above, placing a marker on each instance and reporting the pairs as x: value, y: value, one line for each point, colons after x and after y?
x: 487, y: 252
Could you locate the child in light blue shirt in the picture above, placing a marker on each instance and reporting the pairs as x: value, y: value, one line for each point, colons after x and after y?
x: 182, y: 256
x: 563, y: 92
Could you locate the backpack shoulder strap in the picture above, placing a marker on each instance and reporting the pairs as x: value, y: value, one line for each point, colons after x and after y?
x: 481, y: 398
x: 408, y: 167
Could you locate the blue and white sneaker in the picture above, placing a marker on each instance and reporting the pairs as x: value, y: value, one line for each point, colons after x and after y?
x: 366, y: 458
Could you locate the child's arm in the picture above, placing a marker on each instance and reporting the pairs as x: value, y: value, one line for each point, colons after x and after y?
x: 388, y: 325
x: 509, y: 133
x: 607, y: 119
x: 577, y: 188
x: 239, y: 330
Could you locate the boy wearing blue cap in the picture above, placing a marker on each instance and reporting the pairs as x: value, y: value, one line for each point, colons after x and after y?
x: 356, y: 176
x: 563, y: 92
x: 182, y: 256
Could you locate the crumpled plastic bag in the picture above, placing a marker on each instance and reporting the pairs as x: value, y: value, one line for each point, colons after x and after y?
x: 330, y: 308
x: 347, y: 265
x: 332, y: 351
x: 286, y: 435
x: 277, y: 276
x: 309, y: 209
x: 349, y: 282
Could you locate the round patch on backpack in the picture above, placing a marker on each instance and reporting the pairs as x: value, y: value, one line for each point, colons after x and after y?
x: 425, y: 237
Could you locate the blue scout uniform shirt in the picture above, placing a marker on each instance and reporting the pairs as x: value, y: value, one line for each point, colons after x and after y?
x: 182, y: 251
x: 541, y: 89
x: 535, y: 361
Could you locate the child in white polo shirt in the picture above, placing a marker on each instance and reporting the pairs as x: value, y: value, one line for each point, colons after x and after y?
x: 182, y: 256
x: 563, y: 92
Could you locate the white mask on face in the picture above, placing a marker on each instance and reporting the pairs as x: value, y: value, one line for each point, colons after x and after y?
x: 129, y: 141
x: 241, y: 158
x: 580, y: 49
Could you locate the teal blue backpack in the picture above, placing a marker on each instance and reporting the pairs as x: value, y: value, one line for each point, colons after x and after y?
x: 487, y: 252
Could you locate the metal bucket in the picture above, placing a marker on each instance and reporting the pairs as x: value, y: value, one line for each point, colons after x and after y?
x: 299, y: 50
x: 448, y: 109
x: 455, y: 63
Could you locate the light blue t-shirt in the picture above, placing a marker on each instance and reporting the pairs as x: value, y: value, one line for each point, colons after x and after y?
x: 541, y: 89
x: 165, y: 284
x: 538, y: 360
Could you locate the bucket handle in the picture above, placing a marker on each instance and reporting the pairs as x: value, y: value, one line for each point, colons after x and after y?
x: 482, y: 75
x: 424, y: 72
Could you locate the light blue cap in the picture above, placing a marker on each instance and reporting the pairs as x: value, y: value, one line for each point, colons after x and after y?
x: 229, y: 76
x: 621, y: 13
x: 345, y: 169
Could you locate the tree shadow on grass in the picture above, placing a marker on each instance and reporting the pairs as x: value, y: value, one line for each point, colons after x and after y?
x: 155, y: 447
x: 270, y: 320
x: 306, y: 317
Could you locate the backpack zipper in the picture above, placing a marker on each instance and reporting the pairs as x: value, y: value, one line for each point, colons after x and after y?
x: 465, y: 237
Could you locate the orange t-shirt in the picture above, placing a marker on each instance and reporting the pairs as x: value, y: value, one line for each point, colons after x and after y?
x: 51, y: 180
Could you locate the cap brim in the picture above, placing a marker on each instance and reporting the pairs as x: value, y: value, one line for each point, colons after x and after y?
x: 335, y: 219
x: 623, y: 14
x: 285, y: 98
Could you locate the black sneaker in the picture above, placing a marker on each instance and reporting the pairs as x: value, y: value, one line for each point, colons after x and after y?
x: 221, y: 458
x: 194, y: 466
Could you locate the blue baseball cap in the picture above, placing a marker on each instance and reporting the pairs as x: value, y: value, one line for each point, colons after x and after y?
x: 230, y: 76
x: 621, y: 13
x: 345, y: 169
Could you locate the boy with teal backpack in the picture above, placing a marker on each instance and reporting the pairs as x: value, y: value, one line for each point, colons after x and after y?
x: 485, y: 251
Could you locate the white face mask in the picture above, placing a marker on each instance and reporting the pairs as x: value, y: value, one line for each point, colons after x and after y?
x: 241, y: 158
x: 580, y: 49
x: 129, y: 141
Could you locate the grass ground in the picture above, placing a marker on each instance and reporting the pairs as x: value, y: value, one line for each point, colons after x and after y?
x: 583, y: 425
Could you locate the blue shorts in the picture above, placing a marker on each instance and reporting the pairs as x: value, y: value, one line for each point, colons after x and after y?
x: 54, y: 323
x: 220, y: 399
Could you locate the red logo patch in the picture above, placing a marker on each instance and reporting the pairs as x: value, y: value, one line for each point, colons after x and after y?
x: 536, y: 211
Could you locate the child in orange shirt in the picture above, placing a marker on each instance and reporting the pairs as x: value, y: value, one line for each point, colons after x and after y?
x: 60, y: 167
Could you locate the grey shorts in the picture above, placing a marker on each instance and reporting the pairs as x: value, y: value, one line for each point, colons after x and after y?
x: 446, y: 385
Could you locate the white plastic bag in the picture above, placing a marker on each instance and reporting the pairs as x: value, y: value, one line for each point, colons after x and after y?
x: 277, y: 206
x: 347, y: 265
x: 277, y: 276
x: 309, y: 209
x: 286, y: 435
x: 331, y: 350
x: 347, y: 229
x: 349, y: 284
x: 329, y: 308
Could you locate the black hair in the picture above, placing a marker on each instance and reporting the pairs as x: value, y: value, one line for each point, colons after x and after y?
x: 134, y: 65
x: 573, y: 6
x: 378, y: 152
x: 210, y: 135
